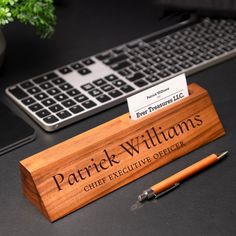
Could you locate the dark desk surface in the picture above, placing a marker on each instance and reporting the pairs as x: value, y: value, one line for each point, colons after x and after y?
x: 204, y: 205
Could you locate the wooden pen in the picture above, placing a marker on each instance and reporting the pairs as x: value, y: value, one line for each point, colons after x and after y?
x: 173, y: 181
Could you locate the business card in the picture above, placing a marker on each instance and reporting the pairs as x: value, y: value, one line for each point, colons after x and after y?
x: 157, y: 97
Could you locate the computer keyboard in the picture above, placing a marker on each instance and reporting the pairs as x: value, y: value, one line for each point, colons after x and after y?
x: 83, y: 88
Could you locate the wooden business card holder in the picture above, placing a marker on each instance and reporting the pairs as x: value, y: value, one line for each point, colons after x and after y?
x: 70, y: 175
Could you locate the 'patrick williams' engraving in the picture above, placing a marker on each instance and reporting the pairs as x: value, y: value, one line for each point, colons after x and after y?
x: 151, y: 138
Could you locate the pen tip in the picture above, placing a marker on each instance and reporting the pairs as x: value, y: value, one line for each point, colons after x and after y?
x: 145, y: 195
x: 142, y: 197
x: 222, y: 155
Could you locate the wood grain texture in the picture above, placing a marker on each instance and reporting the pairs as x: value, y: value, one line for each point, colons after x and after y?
x: 86, y: 167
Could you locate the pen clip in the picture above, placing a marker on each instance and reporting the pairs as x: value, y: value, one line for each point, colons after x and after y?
x: 167, y: 190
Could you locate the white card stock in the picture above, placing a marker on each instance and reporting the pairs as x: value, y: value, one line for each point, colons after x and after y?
x: 157, y: 97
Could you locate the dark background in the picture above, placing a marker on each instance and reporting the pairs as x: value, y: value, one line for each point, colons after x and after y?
x: 204, y: 205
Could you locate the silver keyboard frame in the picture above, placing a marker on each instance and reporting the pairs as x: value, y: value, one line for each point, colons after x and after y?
x: 102, y: 70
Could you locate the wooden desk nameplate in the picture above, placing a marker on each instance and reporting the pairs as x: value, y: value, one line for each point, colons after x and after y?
x: 70, y: 175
